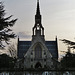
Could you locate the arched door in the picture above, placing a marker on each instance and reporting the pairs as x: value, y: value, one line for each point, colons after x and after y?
x: 38, y: 65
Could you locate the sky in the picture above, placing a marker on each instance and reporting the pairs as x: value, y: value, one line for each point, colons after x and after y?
x: 58, y: 18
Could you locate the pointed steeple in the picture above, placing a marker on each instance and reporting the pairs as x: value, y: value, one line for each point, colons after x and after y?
x: 38, y: 28
x: 38, y: 8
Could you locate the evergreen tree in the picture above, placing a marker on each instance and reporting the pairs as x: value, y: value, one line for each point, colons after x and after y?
x: 6, y: 61
x: 5, y: 27
x: 70, y: 43
x: 68, y: 61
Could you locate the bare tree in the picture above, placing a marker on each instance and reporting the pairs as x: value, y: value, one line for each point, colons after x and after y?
x: 13, y: 50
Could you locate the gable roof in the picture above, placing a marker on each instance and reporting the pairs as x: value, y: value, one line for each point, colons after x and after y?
x: 23, y: 47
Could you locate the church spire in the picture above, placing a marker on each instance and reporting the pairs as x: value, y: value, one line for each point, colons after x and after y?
x: 37, y: 0
x: 38, y: 8
x: 38, y: 28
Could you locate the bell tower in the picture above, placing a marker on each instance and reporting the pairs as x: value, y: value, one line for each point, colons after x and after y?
x: 39, y: 52
x: 38, y: 28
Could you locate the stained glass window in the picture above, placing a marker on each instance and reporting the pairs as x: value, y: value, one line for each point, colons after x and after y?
x: 38, y: 51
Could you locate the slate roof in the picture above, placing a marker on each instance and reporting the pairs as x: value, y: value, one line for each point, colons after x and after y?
x: 23, y: 46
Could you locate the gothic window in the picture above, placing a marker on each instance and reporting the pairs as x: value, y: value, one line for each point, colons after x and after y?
x: 38, y: 51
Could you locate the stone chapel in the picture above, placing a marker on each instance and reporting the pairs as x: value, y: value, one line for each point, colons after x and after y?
x: 38, y: 53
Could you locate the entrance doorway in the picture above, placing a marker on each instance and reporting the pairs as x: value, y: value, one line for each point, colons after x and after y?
x: 38, y: 65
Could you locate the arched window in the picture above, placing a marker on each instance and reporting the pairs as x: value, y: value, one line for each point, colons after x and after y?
x: 38, y: 51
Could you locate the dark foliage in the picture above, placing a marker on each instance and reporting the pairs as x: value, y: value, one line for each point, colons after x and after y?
x: 68, y: 61
x: 70, y: 43
x: 5, y: 27
x: 6, y: 61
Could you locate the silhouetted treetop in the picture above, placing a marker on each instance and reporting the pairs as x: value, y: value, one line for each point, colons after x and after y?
x: 68, y: 61
x: 70, y: 43
x: 5, y: 27
x: 6, y: 61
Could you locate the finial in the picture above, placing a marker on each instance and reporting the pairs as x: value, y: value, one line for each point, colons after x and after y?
x: 18, y: 36
x: 37, y: 0
x: 56, y: 36
x: 38, y: 8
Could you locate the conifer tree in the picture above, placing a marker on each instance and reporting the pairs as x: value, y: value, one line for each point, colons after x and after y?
x: 69, y: 43
x: 5, y: 27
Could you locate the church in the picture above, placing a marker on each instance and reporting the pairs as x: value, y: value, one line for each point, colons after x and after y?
x: 38, y: 53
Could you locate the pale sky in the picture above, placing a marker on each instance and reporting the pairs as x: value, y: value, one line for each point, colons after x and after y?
x: 58, y: 18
